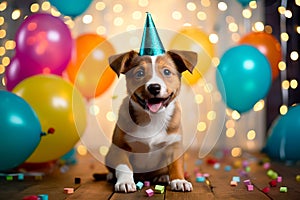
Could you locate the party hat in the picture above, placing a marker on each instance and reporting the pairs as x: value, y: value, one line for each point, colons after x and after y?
x: 151, y: 44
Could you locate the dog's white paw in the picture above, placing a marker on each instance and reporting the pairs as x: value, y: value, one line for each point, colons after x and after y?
x: 125, y: 187
x: 181, y: 185
x: 125, y: 182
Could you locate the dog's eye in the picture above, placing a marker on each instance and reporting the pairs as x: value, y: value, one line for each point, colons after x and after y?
x: 140, y: 73
x: 167, y: 72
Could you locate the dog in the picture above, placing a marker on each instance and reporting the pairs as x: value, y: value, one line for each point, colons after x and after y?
x: 147, y: 139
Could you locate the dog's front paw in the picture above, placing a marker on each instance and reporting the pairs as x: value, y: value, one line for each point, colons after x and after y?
x: 181, y: 185
x: 128, y: 186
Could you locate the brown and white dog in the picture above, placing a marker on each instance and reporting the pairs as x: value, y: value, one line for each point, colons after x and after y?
x: 147, y: 140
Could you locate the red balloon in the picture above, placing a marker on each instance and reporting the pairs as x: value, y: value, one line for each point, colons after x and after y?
x: 268, y: 45
x: 44, y: 43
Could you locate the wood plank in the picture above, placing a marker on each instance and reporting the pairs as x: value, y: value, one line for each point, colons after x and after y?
x: 220, y: 181
x: 200, y: 190
x: 140, y: 194
x: 93, y: 190
x: 288, y: 173
x: 216, y: 187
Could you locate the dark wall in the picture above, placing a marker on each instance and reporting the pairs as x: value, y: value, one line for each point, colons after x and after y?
x: 272, y: 17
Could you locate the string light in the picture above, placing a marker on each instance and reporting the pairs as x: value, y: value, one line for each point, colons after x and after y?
x: 3, y: 5
x: 213, y: 38
x: 143, y: 3
x: 294, y: 84
x: 176, y: 15
x: 247, y: 13
x: 191, y: 6
x: 100, y: 6
x: 35, y: 7
x: 103, y: 150
x: 235, y: 115
x: 283, y: 109
x: 222, y: 6
x: 294, y: 55
x: 46, y: 6
x: 201, y: 126
x: 236, y: 152
x: 230, y: 132
x: 110, y: 116
x: 251, y: 135
x: 118, y: 8
x: 259, y: 106
x: 199, y: 98
x: 81, y: 150
x: 16, y: 14
x: 201, y: 16
x: 258, y: 26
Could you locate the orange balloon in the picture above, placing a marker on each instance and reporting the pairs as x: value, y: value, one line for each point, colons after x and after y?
x: 194, y: 39
x: 89, y: 69
x: 268, y: 45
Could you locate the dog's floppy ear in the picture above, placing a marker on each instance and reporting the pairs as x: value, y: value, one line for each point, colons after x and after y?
x: 184, y: 60
x: 120, y: 63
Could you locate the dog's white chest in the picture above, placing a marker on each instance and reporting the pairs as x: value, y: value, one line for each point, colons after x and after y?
x: 154, y: 135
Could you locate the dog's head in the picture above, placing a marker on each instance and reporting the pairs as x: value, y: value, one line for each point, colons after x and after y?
x: 153, y: 81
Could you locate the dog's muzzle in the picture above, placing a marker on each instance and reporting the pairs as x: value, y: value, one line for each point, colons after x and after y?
x: 153, y: 104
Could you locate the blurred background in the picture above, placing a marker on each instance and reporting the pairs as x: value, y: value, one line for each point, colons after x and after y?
x: 212, y: 26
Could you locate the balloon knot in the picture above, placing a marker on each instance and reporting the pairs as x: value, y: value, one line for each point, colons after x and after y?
x: 43, y: 134
x: 51, y: 131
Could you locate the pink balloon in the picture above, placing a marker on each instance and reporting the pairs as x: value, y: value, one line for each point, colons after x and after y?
x: 17, y: 71
x: 13, y: 74
x: 44, y: 43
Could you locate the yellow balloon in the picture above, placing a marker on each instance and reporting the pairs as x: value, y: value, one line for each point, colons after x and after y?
x: 58, y: 105
x: 194, y: 39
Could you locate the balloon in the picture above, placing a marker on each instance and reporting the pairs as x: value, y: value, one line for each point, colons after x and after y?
x: 243, y: 77
x: 20, y: 130
x: 43, y: 44
x: 72, y: 8
x: 268, y: 45
x: 283, y: 140
x: 16, y: 72
x: 58, y: 105
x: 89, y: 71
x: 244, y: 3
x: 194, y: 39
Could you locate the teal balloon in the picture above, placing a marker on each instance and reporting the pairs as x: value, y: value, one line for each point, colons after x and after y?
x: 72, y: 8
x: 20, y: 130
x: 243, y: 77
x: 244, y: 3
x: 283, y: 139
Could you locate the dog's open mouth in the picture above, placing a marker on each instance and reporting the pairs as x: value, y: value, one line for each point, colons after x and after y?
x: 153, y: 104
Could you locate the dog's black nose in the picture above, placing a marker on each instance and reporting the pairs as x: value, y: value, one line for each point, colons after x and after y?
x: 154, y: 89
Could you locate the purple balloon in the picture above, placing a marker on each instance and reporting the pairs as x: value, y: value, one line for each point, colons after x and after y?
x: 44, y: 43
x: 17, y: 71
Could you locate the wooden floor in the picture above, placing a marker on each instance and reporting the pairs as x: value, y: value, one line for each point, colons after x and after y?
x: 216, y: 186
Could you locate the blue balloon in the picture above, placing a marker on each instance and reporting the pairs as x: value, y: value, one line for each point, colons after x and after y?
x: 244, y: 2
x: 72, y: 8
x: 20, y: 130
x: 283, y: 140
x: 243, y: 77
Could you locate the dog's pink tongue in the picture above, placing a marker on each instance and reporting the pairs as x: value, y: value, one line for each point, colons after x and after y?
x: 154, y: 107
